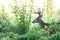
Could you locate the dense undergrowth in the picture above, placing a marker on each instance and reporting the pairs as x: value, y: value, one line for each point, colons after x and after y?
x: 19, y: 26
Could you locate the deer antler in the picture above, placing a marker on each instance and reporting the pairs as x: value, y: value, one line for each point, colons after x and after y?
x: 38, y: 12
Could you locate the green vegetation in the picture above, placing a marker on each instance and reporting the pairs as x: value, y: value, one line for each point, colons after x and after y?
x: 16, y: 24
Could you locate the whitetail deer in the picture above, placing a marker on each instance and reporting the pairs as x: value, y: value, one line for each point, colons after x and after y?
x: 40, y: 21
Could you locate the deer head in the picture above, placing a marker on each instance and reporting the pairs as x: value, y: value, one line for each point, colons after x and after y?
x: 38, y: 19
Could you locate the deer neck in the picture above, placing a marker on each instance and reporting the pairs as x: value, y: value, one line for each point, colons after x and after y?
x: 41, y: 23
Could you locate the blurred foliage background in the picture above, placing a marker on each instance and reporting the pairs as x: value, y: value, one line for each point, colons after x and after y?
x: 16, y: 18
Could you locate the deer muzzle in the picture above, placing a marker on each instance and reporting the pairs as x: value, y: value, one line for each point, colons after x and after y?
x: 35, y: 21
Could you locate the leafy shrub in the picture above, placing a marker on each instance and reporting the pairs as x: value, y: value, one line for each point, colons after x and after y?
x: 9, y: 36
x: 55, y: 36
